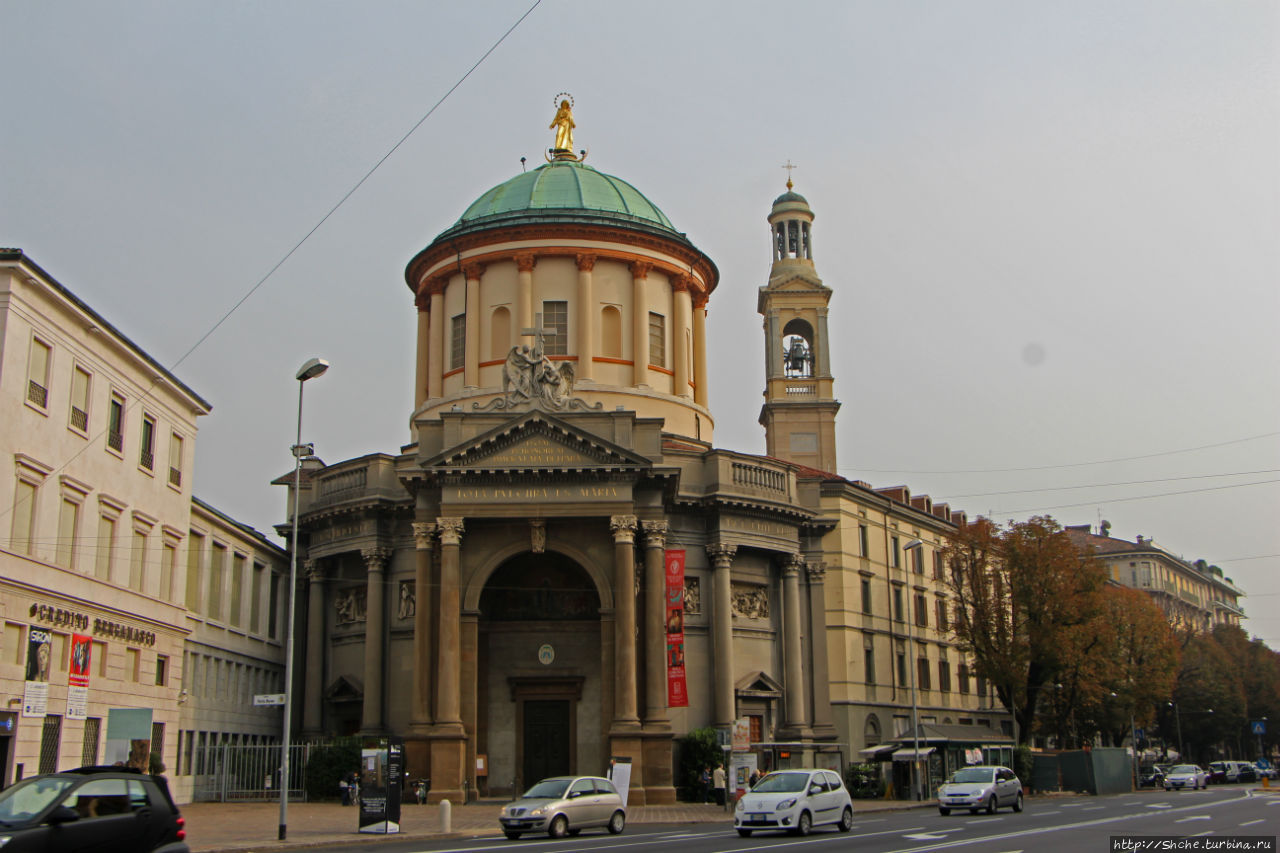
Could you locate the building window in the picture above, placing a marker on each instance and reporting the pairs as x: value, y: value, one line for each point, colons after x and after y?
x: 168, y: 568
x: 866, y: 595
x: 162, y: 670
x: 917, y: 560
x: 922, y: 611
x: 133, y: 664
x: 217, y: 579
x: 147, y: 453
x: 89, y: 746
x: 869, y: 664
x: 895, y: 556
x: 175, y: 460
x: 458, y: 342
x: 138, y: 561
x: 944, y: 676
x: 157, y: 739
x: 273, y: 607
x: 902, y: 668
x: 255, y: 598
x: 499, y: 333
x: 657, y: 340
x: 863, y: 543
x: 38, y: 373
x: 50, y: 741
x: 115, y: 423
x: 22, y: 538
x: 80, y: 400
x: 238, y: 564
x: 68, y: 530
x: 937, y: 565
x: 922, y: 673
x: 898, y: 613
x: 555, y: 323
x: 106, y: 545
x: 195, y: 554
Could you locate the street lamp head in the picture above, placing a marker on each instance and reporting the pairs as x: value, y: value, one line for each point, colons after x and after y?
x: 313, y: 368
x: 912, y: 545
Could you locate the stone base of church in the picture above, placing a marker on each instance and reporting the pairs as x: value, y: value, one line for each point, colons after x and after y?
x: 417, y: 757
x: 448, y: 752
x: 659, y: 789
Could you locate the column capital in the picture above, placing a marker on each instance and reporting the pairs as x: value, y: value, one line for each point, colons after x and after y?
x: 375, y: 559
x: 817, y: 572
x: 451, y: 530
x: 623, y: 527
x: 473, y: 271
x: 683, y: 283
x: 525, y: 261
x: 655, y: 533
x: 434, y: 286
x: 794, y: 563
x: 313, y: 570
x: 640, y: 269
x: 721, y: 554
x: 586, y: 263
x: 423, y: 533
x: 699, y: 299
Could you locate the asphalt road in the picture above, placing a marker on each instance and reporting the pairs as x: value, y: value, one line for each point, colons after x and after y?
x: 1052, y: 825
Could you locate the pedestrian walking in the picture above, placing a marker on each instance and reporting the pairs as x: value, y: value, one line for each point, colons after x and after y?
x: 717, y: 781
x: 704, y: 782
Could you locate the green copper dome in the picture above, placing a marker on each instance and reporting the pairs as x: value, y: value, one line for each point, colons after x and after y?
x: 564, y: 190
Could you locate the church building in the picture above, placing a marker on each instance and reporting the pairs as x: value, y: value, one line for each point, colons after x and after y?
x: 561, y: 567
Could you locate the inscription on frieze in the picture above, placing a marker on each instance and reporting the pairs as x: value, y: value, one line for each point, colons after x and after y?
x: 568, y: 493
x: 537, y: 451
x: 757, y: 526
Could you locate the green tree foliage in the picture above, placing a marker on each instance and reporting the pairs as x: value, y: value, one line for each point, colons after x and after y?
x: 327, y: 765
x: 1210, y: 699
x: 698, y: 749
x: 1024, y: 596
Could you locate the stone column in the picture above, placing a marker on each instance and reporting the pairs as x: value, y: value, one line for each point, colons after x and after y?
x: 524, y: 289
x: 773, y: 346
x: 471, y: 347
x: 821, y: 344
x: 792, y: 660
x: 420, y: 706
x: 449, y: 666
x: 722, y: 633
x: 435, y: 359
x: 640, y: 322
x: 313, y: 683
x: 420, y: 378
x: 817, y: 632
x: 586, y: 317
x: 701, y: 393
x: 655, y: 628
x: 681, y: 336
x: 625, y: 711
x: 375, y: 637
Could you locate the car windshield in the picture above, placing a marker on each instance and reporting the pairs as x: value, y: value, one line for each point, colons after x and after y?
x: 781, y: 783
x: 972, y: 774
x: 548, y: 789
x: 26, y: 799
x: 1185, y: 768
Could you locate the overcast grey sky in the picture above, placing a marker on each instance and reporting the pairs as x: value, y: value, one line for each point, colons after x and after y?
x: 1051, y: 227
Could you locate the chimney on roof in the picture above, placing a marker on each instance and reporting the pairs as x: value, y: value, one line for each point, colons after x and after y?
x: 1142, y: 541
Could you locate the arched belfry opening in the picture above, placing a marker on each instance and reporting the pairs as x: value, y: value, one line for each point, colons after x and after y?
x: 540, y: 689
x: 798, y: 349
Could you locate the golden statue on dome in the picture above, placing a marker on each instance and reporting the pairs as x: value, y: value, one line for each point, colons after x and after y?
x: 563, y: 125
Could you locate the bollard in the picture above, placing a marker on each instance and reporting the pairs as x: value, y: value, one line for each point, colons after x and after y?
x: 446, y: 816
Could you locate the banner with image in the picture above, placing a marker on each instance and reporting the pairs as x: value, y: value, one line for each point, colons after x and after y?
x: 677, y: 686
x: 35, y: 694
x: 78, y: 677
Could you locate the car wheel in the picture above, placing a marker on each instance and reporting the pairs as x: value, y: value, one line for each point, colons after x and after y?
x: 944, y: 811
x: 617, y: 822
x: 804, y: 825
x: 991, y: 805
x: 559, y: 827
x: 846, y: 820
x: 514, y: 836
x: 1017, y: 802
x: 745, y: 833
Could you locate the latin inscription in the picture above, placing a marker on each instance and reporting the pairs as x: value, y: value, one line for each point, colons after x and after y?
x: 494, y: 494
x: 537, y: 453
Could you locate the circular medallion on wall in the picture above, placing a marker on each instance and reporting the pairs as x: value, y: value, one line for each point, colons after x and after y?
x: 546, y: 654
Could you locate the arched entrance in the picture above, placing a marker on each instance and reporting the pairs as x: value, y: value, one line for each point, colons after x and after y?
x: 540, y: 680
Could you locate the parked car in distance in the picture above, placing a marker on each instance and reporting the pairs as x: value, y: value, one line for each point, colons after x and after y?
x: 794, y: 801
x: 1267, y: 772
x: 980, y: 787
x: 1152, y: 776
x: 91, y: 809
x: 565, y: 805
x: 1186, y: 776
x: 1232, y: 771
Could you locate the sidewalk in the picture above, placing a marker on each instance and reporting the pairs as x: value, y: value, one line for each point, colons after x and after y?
x: 255, y: 826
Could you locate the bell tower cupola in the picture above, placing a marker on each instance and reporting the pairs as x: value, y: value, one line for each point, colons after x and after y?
x: 799, y: 412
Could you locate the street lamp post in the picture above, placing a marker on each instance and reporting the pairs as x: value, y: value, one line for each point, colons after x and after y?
x: 913, y: 545
x: 1177, y: 716
x: 313, y: 368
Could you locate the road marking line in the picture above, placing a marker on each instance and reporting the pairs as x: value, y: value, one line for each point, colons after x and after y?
x: 1252, y: 822
x: 1093, y: 808
x: 1192, y: 817
x: 925, y: 836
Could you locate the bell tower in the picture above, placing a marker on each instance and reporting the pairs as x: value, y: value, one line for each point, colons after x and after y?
x: 799, y: 412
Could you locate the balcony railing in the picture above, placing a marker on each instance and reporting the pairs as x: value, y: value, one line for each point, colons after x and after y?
x: 762, y: 478
x: 79, y: 419
x: 115, y: 440
x: 147, y: 460
x: 37, y: 393
x: 175, y: 477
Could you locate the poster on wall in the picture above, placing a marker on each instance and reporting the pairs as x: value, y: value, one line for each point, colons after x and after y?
x: 381, y: 772
x: 129, y: 737
x: 35, y: 694
x: 677, y: 686
x: 78, y: 678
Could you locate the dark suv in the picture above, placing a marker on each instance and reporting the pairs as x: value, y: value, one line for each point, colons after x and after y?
x: 91, y: 810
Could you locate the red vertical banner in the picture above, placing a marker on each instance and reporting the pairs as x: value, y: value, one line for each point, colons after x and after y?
x: 677, y: 688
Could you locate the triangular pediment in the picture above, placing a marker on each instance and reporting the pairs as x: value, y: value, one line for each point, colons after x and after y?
x: 537, y: 442
x: 797, y: 281
x: 758, y: 684
x: 344, y: 689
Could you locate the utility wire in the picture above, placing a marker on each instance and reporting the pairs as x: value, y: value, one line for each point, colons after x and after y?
x: 1134, y: 498
x: 1109, y: 485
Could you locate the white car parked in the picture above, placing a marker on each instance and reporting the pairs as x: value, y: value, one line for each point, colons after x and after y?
x: 1186, y: 776
x: 981, y: 787
x: 794, y: 801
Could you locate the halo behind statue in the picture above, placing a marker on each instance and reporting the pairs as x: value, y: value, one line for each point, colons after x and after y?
x: 556, y: 102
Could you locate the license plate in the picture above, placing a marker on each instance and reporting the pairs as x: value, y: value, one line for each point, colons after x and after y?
x: 757, y: 816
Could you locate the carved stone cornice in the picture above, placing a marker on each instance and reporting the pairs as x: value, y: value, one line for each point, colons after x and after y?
x: 451, y: 530
x: 640, y: 269
x: 655, y: 533
x: 434, y: 286
x: 375, y: 559
x: 314, y: 571
x: 423, y: 533
x: 586, y: 263
x: 699, y: 300
x: 473, y: 271
x: 525, y: 261
x: 684, y: 284
x: 624, y: 528
x: 722, y: 555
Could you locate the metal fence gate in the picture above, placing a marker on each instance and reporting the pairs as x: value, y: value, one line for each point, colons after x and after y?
x: 227, y: 772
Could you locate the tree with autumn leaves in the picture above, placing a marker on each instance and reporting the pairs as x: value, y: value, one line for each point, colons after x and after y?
x: 1066, y: 652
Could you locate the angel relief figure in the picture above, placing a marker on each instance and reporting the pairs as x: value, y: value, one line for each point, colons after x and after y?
x: 529, y: 375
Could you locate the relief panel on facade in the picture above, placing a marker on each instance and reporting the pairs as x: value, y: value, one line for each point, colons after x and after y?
x: 350, y: 605
x: 692, y: 596
x: 750, y: 602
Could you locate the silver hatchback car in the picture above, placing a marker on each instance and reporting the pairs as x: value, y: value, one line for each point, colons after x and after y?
x: 565, y: 805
